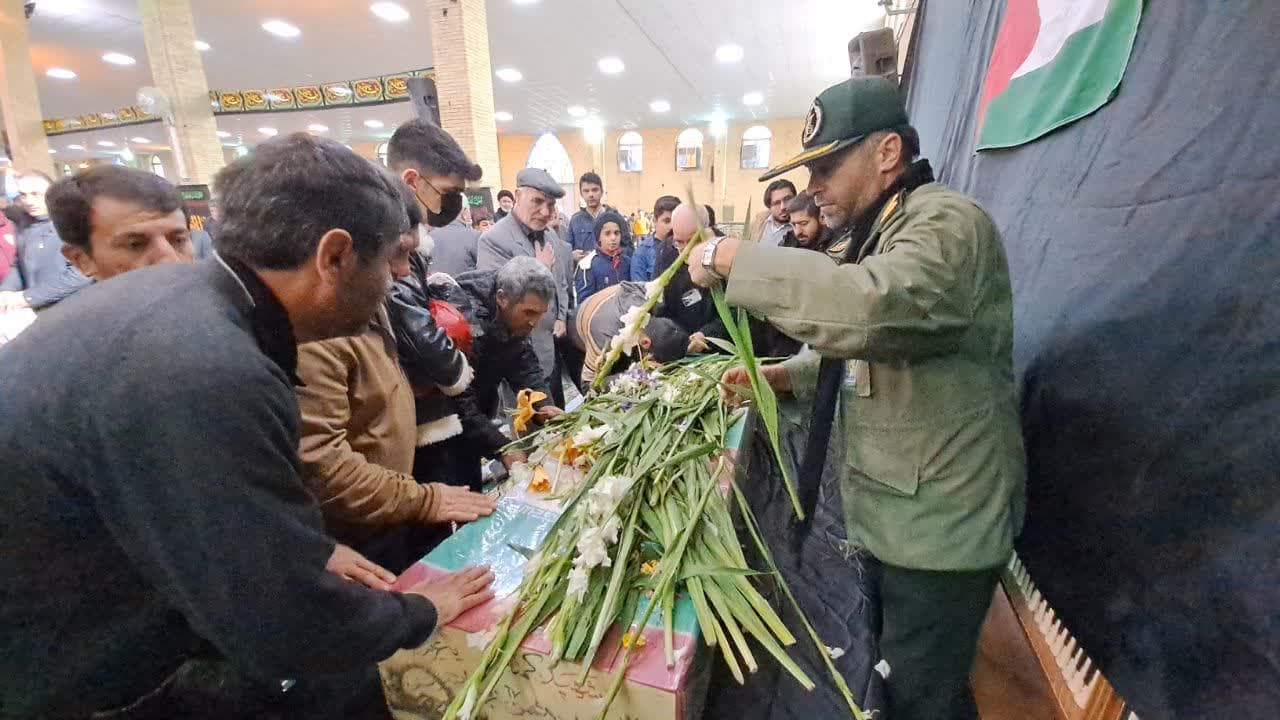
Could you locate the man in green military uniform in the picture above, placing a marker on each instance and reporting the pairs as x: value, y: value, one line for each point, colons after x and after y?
x: 909, y: 325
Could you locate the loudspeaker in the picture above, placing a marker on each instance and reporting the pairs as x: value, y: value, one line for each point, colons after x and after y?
x: 874, y: 53
x: 426, y: 104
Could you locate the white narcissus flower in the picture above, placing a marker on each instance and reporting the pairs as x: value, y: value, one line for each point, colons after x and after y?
x: 578, y: 579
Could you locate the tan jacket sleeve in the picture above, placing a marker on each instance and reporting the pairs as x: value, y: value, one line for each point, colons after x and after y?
x: 910, y: 302
x: 349, y: 487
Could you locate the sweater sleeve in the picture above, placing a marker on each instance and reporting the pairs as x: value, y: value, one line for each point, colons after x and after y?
x: 348, y: 486
x: 197, y: 480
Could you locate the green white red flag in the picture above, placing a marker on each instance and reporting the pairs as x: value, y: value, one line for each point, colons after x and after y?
x: 1054, y: 62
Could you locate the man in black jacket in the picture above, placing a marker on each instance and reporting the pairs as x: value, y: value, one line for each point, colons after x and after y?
x: 158, y: 514
x: 503, y: 308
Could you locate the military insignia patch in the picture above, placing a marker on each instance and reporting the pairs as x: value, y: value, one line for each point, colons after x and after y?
x: 812, y: 123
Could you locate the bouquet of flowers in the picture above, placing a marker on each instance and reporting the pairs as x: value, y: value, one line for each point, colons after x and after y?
x: 647, y: 516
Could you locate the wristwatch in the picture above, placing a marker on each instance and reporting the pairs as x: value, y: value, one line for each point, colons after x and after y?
x: 709, y: 258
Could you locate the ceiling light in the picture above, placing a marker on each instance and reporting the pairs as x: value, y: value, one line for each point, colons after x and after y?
x: 269, y: 131
x: 281, y: 28
x: 141, y: 140
x: 752, y: 98
x: 389, y: 11
x: 730, y: 53
x: 75, y: 147
x: 224, y: 134
x: 116, y: 58
x: 83, y: 165
x: 611, y: 65
x: 577, y: 111
x: 509, y: 74
x: 60, y: 73
x: 659, y: 106
x: 503, y: 116
x: 202, y: 46
x: 373, y: 124
x: 106, y: 143
x: 52, y: 151
x: 318, y: 128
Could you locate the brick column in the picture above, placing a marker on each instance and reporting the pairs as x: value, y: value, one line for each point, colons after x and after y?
x: 19, y: 99
x: 178, y: 72
x: 464, y: 81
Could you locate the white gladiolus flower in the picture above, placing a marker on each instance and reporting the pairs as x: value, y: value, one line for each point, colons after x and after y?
x: 589, y: 435
x: 670, y: 394
x: 578, y: 578
x: 610, y: 529
x: 592, y: 550
x: 651, y: 290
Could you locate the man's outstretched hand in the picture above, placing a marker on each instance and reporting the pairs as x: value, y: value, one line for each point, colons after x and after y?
x: 459, y: 504
x: 456, y: 593
x: 350, y: 565
x: 735, y: 385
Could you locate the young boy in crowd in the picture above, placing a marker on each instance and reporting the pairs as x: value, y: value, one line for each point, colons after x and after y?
x: 607, y: 264
x: 646, y: 254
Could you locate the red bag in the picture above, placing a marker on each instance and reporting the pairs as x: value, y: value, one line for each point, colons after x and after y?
x: 454, y: 324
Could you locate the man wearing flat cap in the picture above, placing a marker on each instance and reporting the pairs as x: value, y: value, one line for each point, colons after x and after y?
x: 525, y: 231
x: 908, y: 320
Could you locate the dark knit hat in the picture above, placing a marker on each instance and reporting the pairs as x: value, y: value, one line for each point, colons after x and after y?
x: 608, y: 216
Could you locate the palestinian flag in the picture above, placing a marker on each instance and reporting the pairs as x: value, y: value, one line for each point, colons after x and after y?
x: 1054, y: 62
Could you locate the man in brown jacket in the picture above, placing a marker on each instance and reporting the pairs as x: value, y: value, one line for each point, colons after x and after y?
x: 358, y: 439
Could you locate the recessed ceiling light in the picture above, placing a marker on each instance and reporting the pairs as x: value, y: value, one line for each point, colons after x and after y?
x: 503, y: 116
x: 269, y: 131
x: 611, y: 65
x: 202, y: 46
x: 116, y: 58
x: 281, y: 28
x: 389, y: 11
x: 659, y: 106
x: 752, y: 98
x: 52, y: 151
x: 577, y: 111
x: 106, y: 143
x: 75, y: 147
x: 373, y: 124
x: 509, y: 74
x: 60, y: 73
x: 141, y: 140
x: 318, y: 128
x: 730, y: 53
x: 224, y: 134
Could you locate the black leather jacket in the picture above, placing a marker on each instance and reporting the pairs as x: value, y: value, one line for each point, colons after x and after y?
x: 427, y: 355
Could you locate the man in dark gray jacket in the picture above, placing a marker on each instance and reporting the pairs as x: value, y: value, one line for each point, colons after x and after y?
x: 158, y: 515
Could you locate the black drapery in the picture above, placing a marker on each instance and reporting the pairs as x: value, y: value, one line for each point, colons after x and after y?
x: 1144, y: 249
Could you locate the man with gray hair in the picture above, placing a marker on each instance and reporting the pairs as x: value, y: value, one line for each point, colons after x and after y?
x: 504, y: 308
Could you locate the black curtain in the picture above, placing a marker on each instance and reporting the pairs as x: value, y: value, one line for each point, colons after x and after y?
x: 1144, y: 249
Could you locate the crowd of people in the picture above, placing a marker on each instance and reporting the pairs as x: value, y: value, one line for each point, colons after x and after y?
x: 222, y: 448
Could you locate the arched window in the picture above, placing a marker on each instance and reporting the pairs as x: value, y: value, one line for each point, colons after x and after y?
x: 755, y: 147
x: 630, y: 152
x: 382, y: 154
x: 157, y: 167
x: 549, y: 154
x: 689, y: 149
